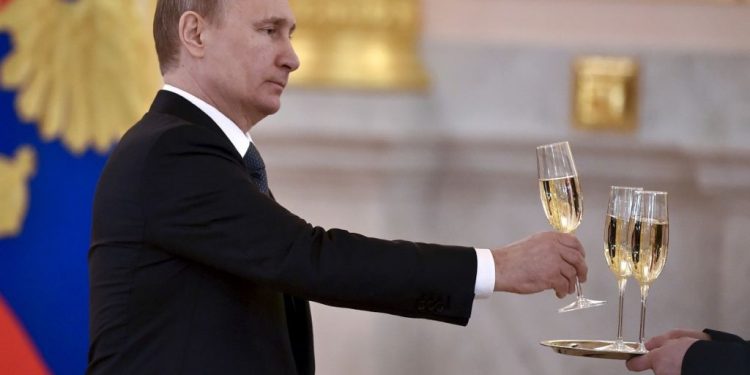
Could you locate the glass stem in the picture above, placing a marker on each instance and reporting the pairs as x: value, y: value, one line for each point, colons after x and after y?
x: 642, y: 333
x: 621, y: 283
x: 579, y: 290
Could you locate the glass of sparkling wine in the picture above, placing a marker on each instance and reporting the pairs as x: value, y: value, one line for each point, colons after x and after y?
x: 617, y: 249
x: 561, y: 197
x: 648, y: 233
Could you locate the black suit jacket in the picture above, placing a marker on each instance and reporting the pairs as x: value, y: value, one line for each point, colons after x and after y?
x: 195, y: 271
x: 725, y: 354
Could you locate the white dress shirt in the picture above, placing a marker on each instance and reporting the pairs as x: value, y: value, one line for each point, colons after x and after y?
x: 485, y: 280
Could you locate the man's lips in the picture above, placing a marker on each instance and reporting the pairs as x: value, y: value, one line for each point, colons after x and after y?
x: 281, y: 84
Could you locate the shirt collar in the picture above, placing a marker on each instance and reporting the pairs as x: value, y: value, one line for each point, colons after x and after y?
x: 240, y: 140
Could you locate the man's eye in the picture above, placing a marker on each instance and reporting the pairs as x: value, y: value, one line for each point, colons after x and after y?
x: 269, y: 31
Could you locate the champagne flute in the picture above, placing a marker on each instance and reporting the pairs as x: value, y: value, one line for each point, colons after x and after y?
x: 617, y: 249
x: 561, y: 197
x: 649, y: 235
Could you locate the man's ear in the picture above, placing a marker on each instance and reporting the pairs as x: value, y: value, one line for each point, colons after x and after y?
x: 191, y: 29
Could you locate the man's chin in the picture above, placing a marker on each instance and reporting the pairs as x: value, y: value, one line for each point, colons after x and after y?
x: 270, y: 108
x: 260, y: 110
x: 273, y: 108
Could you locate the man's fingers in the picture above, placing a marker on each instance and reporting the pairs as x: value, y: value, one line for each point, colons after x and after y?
x: 658, y: 341
x: 639, y: 363
x: 576, y: 260
x: 678, y: 333
x: 569, y: 273
x: 561, y: 286
x: 570, y: 241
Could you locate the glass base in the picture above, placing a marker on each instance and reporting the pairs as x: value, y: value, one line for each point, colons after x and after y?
x: 618, y: 346
x: 641, y: 349
x: 580, y: 304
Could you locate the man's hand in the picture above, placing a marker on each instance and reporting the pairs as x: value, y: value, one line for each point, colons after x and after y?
x: 666, y: 352
x: 548, y: 260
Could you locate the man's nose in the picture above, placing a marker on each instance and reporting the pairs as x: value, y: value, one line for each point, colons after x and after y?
x: 289, y: 58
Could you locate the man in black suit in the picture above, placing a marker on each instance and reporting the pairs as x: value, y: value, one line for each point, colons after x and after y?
x: 196, y: 269
x: 689, y: 352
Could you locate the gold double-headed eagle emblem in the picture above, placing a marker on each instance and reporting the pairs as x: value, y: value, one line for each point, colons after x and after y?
x: 84, y: 72
x: 14, y: 195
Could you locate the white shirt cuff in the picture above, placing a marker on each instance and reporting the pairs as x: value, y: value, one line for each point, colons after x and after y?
x: 485, y: 282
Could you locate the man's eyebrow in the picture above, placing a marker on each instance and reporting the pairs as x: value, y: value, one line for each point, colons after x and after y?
x: 276, y: 21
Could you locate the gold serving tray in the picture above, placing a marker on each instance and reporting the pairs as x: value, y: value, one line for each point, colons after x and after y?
x: 590, y: 348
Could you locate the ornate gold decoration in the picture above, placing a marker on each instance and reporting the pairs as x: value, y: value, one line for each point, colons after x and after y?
x: 85, y: 69
x: 14, y: 191
x: 605, y: 93
x: 370, y: 44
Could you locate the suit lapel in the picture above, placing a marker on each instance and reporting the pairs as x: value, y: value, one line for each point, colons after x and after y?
x: 167, y: 102
x: 297, y: 310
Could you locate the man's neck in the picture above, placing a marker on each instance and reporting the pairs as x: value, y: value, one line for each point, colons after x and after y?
x: 239, y: 139
x: 190, y: 85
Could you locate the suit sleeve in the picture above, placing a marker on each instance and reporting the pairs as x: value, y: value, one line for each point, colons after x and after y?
x: 725, y: 354
x: 199, y: 204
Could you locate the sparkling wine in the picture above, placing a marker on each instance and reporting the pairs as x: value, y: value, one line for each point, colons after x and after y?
x: 650, y: 242
x: 617, y: 248
x: 562, y: 202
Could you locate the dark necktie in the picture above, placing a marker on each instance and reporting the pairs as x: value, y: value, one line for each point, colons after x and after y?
x: 256, y: 168
x: 297, y: 311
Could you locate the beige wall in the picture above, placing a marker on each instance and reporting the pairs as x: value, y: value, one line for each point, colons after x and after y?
x: 456, y: 165
x: 657, y: 24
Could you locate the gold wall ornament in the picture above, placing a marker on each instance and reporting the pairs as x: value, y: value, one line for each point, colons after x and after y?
x: 360, y: 44
x: 85, y: 70
x: 605, y: 93
x: 14, y: 192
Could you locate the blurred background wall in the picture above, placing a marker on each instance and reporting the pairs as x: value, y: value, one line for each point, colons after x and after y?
x: 455, y: 163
